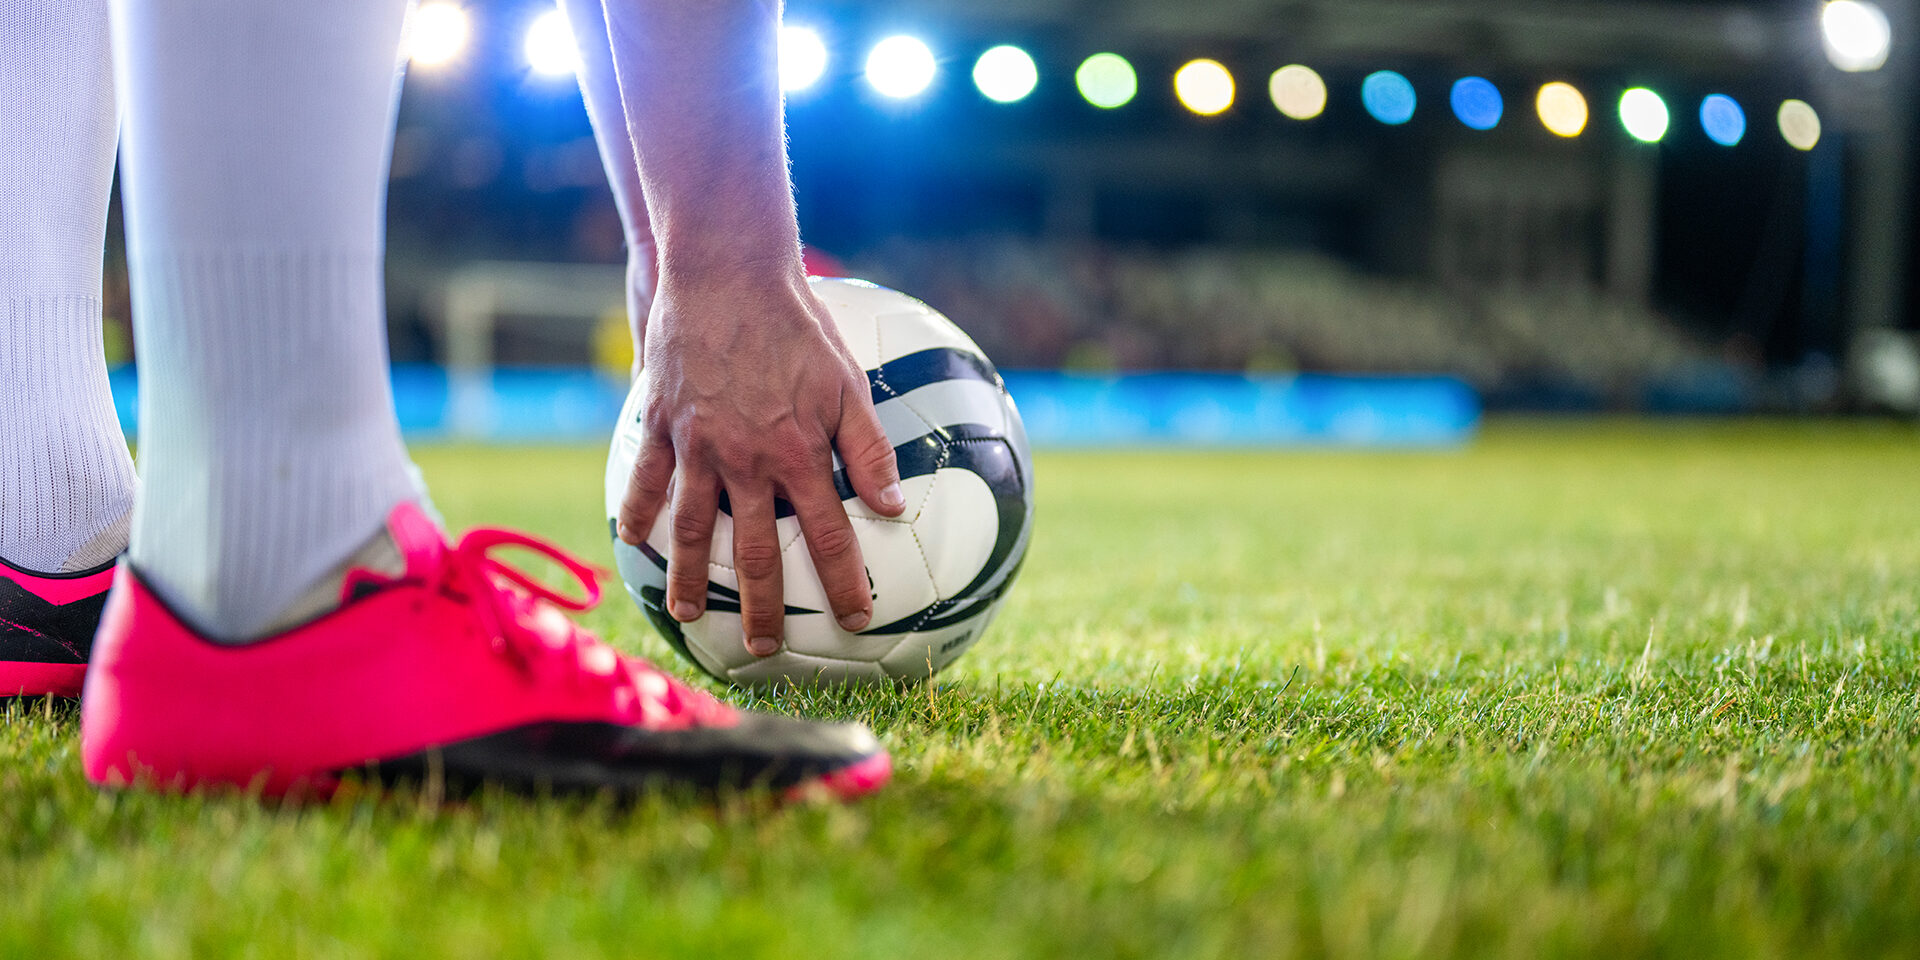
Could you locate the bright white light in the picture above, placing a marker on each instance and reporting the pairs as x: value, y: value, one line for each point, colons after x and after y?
x: 1204, y: 86
x: 1799, y: 124
x: 1644, y: 114
x: 1856, y: 35
x: 900, y: 67
x: 549, y: 46
x: 803, y: 58
x: 1298, y: 91
x: 1005, y: 74
x: 437, y: 34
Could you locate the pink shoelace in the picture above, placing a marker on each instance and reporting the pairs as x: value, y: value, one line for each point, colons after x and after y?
x: 524, y: 620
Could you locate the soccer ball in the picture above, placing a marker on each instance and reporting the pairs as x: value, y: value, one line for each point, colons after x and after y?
x: 939, y: 572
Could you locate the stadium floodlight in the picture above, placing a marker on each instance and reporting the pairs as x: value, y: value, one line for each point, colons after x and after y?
x: 900, y: 67
x: 1562, y: 109
x: 1722, y: 119
x: 549, y: 46
x: 1644, y: 114
x: 1476, y: 101
x: 1005, y: 74
x: 1298, y: 92
x: 1106, y: 80
x: 1388, y: 97
x: 437, y: 34
x: 1204, y: 86
x: 1799, y: 124
x: 803, y: 58
x: 1856, y: 35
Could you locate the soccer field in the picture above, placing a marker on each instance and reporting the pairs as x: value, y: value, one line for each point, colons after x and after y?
x: 1576, y: 690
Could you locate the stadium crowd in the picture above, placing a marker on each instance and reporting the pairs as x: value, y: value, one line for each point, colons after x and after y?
x: 1037, y: 304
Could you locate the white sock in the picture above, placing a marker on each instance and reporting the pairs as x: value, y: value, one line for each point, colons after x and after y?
x: 254, y: 167
x: 66, y: 481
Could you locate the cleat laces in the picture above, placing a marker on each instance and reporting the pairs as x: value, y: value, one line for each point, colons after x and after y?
x: 522, y: 619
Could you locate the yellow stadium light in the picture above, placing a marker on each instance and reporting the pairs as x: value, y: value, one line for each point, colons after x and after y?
x: 1204, y: 86
x: 437, y: 34
x: 1799, y: 124
x: 1298, y: 92
x: 1562, y: 109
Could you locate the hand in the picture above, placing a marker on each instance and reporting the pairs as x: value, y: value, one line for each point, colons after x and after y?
x: 749, y: 390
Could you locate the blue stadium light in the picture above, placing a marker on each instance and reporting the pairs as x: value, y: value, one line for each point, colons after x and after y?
x: 549, y: 47
x: 1476, y: 101
x: 1722, y: 119
x: 1005, y: 74
x: 803, y: 58
x: 900, y: 67
x: 1388, y: 96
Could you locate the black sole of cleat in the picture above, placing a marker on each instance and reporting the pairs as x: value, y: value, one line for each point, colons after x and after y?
x: 773, y: 753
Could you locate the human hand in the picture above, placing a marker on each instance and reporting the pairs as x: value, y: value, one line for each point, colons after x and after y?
x: 748, y: 390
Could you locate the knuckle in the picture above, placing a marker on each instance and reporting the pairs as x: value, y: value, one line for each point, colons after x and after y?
x: 755, y: 560
x: 691, y: 528
x: 688, y: 576
x: 803, y: 455
x: 834, y: 542
x: 647, y: 476
x: 736, y: 460
x: 872, y: 450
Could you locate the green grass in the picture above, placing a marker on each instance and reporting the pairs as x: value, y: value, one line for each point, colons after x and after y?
x: 1578, y: 690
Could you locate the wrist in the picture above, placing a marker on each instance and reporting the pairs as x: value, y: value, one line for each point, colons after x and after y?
x: 733, y: 274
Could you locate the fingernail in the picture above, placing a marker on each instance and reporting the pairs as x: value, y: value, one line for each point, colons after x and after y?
x: 763, y: 646
x: 892, y: 497
x: 855, y: 621
x: 626, y: 533
x: 684, y: 611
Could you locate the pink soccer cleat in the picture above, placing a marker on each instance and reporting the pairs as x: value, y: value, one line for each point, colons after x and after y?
x: 47, y: 622
x: 462, y: 669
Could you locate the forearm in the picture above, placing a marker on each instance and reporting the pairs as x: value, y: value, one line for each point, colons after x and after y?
x: 700, y: 88
x: 601, y: 91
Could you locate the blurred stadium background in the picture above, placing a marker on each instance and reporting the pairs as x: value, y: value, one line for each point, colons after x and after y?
x: 1232, y: 221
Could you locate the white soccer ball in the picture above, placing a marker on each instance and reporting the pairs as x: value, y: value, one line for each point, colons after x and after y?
x: 939, y: 572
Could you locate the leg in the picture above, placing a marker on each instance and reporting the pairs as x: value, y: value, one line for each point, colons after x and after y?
x: 255, y: 162
x: 66, y: 481
x: 278, y: 506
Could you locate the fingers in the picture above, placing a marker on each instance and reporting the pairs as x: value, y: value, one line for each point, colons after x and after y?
x: 835, y: 549
x: 868, y: 454
x: 756, y: 563
x: 647, y: 489
x: 696, y: 500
